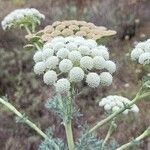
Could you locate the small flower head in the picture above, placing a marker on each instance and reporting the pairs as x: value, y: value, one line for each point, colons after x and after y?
x: 141, y: 52
x: 106, y: 78
x: 38, y: 56
x: 113, y: 103
x: 39, y: 68
x: 47, y: 52
x: 99, y: 62
x: 18, y: 17
x: 110, y: 66
x: 62, y: 86
x: 76, y: 74
x: 50, y: 77
x: 65, y: 65
x: 86, y: 62
x: 93, y: 80
x: 75, y: 56
x: 52, y: 62
x: 62, y: 53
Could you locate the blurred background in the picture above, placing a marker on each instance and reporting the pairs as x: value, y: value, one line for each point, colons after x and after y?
x: 131, y: 20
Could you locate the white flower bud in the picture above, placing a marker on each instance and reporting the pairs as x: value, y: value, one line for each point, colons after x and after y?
x: 48, y: 45
x: 58, y: 45
x: 62, y: 86
x: 47, y: 53
x: 58, y: 39
x: 50, y: 77
x: 90, y: 43
x: 39, y: 68
x: 84, y: 50
x: 52, y: 62
x: 110, y: 66
x: 104, y: 51
x: 147, y: 46
x: 99, y: 62
x: 106, y: 78
x: 76, y: 74
x: 65, y: 65
x: 71, y: 46
x: 93, y: 80
x: 86, y: 62
x: 63, y: 53
x: 135, y: 54
x: 75, y: 56
x: 144, y: 58
x: 37, y: 56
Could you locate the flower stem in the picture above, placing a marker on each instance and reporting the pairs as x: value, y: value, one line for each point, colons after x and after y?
x: 69, y: 135
x: 126, y: 146
x: 109, y: 133
x: 115, y: 114
x: 27, y: 121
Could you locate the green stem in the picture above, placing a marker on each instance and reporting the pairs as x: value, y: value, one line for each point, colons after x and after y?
x: 27, y: 121
x: 115, y: 114
x: 27, y: 29
x: 67, y: 123
x: 109, y: 133
x: 126, y: 146
x: 68, y: 129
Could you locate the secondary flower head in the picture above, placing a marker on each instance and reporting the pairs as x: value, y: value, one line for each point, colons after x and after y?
x: 75, y: 28
x: 72, y: 58
x: 141, y: 52
x: 19, y: 17
x: 113, y: 103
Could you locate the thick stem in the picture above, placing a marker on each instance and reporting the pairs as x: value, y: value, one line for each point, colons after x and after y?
x: 67, y: 123
x: 68, y: 129
x: 126, y: 146
x: 115, y: 114
x: 27, y: 121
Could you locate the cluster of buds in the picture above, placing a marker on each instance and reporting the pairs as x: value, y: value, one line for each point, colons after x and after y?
x: 75, y: 28
x: 113, y: 103
x: 141, y: 52
x: 67, y: 60
x: 19, y: 17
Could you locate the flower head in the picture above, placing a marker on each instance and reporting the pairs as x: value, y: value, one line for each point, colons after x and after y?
x: 141, y: 52
x: 26, y: 16
x: 72, y: 58
x: 113, y: 103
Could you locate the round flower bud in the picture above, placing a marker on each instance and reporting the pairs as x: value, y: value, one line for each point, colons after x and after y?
x: 95, y: 52
x: 75, y: 56
x: 50, y: 77
x: 115, y: 108
x: 110, y: 66
x: 62, y: 86
x: 135, y: 109
x: 104, y: 51
x: 76, y: 74
x: 144, y: 58
x: 39, y: 68
x: 65, y: 65
x: 37, y: 56
x: 84, y: 50
x: 63, y: 53
x: 52, y: 62
x: 135, y: 54
x: 86, y: 62
x: 58, y: 45
x: 99, y: 62
x: 71, y: 46
x: 93, y: 80
x: 106, y: 78
x: 47, y: 53
x: 91, y: 43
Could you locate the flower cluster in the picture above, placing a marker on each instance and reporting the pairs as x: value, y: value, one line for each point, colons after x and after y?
x: 141, y: 52
x: 113, y: 103
x: 77, y: 28
x: 26, y: 16
x: 77, y: 59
